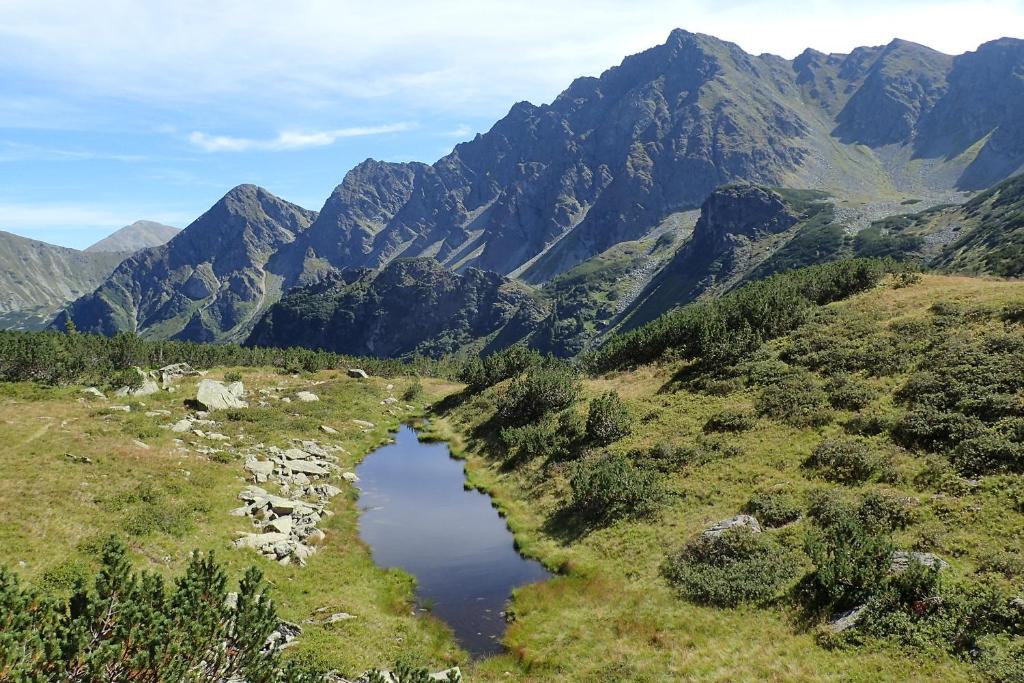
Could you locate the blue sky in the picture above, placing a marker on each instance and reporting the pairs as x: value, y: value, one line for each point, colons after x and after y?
x: 116, y: 111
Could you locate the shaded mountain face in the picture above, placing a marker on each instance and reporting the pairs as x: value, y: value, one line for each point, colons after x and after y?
x: 410, y: 306
x: 210, y: 283
x: 131, y: 238
x: 38, y: 279
x: 613, y: 157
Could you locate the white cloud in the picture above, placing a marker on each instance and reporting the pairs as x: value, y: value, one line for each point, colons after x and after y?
x: 289, y: 140
x: 451, y: 55
x: 462, y: 131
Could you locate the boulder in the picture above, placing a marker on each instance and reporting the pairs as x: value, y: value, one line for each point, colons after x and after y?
x: 719, y: 528
x: 357, y: 373
x: 363, y: 423
x: 260, y: 469
x: 94, y: 392
x: 181, y: 426
x: 306, y: 467
x: 237, y: 389
x: 306, y: 397
x: 844, y: 621
x: 350, y: 477
x: 389, y: 401
x: 146, y: 387
x: 260, y: 540
x: 328, y: 430
x: 121, y: 409
x: 901, y: 560
x: 281, y: 525
x: 214, y: 395
x: 169, y: 374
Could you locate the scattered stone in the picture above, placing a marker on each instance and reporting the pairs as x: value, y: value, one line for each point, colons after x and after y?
x: 236, y: 389
x: 719, y: 528
x: 214, y: 395
x: 844, y: 621
x: 328, y: 430
x: 260, y: 541
x: 283, y: 636
x: 357, y: 373
x: 141, y: 444
x: 281, y: 525
x: 389, y: 401
x: 350, y: 477
x: 306, y: 397
x: 121, y: 409
x: 80, y: 459
x: 181, y: 427
x: 363, y: 423
x: 158, y: 413
x: 172, y: 373
x: 901, y: 560
x: 390, y: 387
x: 93, y: 391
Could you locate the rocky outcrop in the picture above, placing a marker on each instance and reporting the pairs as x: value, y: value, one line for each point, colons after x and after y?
x: 214, y: 395
x: 739, y: 521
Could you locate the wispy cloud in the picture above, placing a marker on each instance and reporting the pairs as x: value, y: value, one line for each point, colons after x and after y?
x: 289, y: 140
x: 16, y: 151
x: 461, y: 131
x: 30, y: 217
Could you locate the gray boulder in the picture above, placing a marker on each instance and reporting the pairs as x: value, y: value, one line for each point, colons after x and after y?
x: 214, y: 395
x: 306, y: 396
x: 357, y: 373
x: 902, y: 559
x: 844, y: 621
x: 169, y: 374
x: 145, y: 388
x: 719, y: 528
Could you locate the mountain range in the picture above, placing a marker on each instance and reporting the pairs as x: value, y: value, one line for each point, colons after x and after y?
x: 38, y: 279
x: 835, y: 142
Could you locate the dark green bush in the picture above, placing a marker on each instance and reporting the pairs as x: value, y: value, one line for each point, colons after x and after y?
x: 541, y: 390
x: 129, y: 626
x: 555, y: 437
x: 725, y: 330
x: 414, y: 393
x: 1001, y: 658
x: 850, y: 393
x: 739, y: 566
x: 844, y: 460
x: 608, y: 487
x: 482, y: 372
x: 797, y: 400
x: 868, y: 424
x: 774, y: 508
x: 729, y: 420
x: 233, y: 376
x: 608, y: 419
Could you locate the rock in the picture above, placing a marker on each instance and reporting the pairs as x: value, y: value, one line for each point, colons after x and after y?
x: 236, y: 389
x: 121, y: 409
x: 145, y: 388
x: 283, y: 636
x: 844, y: 621
x: 306, y: 467
x: 214, y: 395
x: 306, y: 397
x: 281, y: 524
x: 901, y: 560
x: 260, y: 469
x: 93, y: 391
x: 172, y: 373
x: 141, y: 444
x: 350, y: 477
x: 81, y: 459
x: 158, y: 413
x: 260, y: 540
x: 390, y: 387
x: 214, y: 436
x: 286, y: 400
x: 363, y: 423
x: 389, y: 401
x: 357, y: 373
x: 315, y: 537
x: 181, y: 426
x: 328, y: 430
x: 719, y: 528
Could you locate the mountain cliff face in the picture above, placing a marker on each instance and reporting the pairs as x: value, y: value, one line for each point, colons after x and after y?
x: 615, y: 159
x: 410, y: 306
x: 210, y: 283
x: 38, y: 279
x: 131, y: 238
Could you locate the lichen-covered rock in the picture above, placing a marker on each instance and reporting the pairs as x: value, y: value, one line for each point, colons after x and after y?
x: 214, y: 395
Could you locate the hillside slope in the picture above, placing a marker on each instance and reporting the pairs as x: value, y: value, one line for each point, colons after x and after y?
x: 410, y: 306
x: 810, y: 430
x: 38, y: 279
x: 138, y: 235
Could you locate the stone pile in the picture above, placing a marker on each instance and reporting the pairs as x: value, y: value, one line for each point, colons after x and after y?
x: 287, y: 522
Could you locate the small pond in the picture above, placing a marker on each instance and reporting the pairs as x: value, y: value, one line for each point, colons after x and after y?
x: 416, y: 515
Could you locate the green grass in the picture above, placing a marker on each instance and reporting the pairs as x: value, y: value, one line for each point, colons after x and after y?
x: 55, y: 510
x: 611, y: 616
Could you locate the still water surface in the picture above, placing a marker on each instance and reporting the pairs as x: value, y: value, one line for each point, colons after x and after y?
x: 416, y: 515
